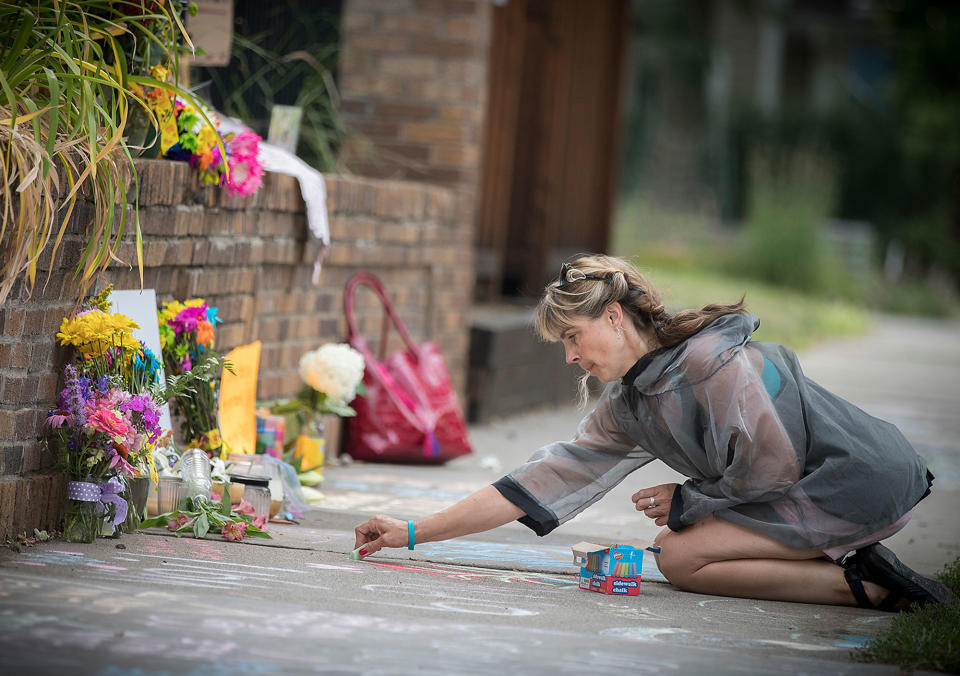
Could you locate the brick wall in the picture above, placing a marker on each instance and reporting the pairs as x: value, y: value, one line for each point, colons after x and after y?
x: 413, y: 88
x: 252, y: 259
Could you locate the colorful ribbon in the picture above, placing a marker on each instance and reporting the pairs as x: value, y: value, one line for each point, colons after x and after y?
x: 102, y: 493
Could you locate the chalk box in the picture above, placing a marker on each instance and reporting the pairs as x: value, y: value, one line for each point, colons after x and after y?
x: 611, y: 568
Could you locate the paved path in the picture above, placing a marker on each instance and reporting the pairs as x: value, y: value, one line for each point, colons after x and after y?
x: 501, y: 601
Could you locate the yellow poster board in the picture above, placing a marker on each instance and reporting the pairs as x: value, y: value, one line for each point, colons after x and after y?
x: 238, y: 399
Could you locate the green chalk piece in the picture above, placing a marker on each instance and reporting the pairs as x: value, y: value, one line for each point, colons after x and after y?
x: 355, y: 554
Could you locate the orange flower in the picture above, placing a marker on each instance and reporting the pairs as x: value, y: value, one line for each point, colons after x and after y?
x: 121, y: 449
x: 204, y: 333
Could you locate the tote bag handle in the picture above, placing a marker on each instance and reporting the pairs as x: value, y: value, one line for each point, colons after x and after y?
x: 401, y: 399
x: 390, y: 314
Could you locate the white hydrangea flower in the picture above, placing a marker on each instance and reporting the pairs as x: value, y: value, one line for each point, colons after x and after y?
x: 335, y: 369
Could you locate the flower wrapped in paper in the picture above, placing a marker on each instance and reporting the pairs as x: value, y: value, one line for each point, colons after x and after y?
x: 191, y: 133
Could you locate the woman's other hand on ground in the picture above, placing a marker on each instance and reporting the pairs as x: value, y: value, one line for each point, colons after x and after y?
x: 379, y: 532
x: 657, y: 508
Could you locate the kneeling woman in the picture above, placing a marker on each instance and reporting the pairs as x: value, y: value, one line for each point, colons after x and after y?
x: 785, y: 478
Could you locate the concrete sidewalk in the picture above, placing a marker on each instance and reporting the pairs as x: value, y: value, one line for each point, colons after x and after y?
x: 504, y: 601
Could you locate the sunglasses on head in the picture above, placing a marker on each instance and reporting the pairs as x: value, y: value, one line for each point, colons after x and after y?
x: 569, y: 274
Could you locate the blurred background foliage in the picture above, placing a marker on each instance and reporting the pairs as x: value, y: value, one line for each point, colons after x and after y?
x: 284, y: 52
x: 796, y: 145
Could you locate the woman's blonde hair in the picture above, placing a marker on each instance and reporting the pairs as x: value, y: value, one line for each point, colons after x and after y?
x: 593, y: 281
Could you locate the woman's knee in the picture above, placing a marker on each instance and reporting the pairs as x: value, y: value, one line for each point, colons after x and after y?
x: 673, y: 561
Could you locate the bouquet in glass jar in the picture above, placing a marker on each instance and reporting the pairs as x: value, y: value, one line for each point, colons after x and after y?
x: 186, y: 340
x: 332, y: 377
x: 101, y: 434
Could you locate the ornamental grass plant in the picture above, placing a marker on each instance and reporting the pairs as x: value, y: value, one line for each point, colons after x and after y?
x: 67, y: 77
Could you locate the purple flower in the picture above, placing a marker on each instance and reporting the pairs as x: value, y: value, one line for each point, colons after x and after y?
x: 135, y: 403
x: 56, y: 419
x: 151, y: 418
x: 72, y: 398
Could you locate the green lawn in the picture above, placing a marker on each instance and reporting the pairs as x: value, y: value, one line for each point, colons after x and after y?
x: 787, y: 317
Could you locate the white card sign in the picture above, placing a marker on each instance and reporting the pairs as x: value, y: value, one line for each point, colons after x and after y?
x: 141, y: 307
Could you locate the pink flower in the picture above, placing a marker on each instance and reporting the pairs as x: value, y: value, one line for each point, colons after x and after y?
x: 244, y: 144
x: 234, y: 530
x: 245, y: 177
x: 125, y: 467
x: 260, y: 521
x: 246, y: 173
x: 244, y: 508
x: 186, y: 319
x: 108, y: 423
x: 178, y: 522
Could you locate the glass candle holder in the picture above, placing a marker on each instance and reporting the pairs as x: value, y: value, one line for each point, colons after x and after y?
x: 171, y: 492
x: 256, y: 491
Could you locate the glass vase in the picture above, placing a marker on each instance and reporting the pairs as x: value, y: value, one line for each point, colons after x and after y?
x: 82, y: 522
x: 136, y: 497
x: 310, y: 445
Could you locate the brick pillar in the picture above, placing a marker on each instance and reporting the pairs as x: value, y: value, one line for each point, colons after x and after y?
x: 413, y: 88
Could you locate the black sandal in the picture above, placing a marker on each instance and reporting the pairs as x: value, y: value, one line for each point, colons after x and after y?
x: 875, y: 563
x: 855, y: 581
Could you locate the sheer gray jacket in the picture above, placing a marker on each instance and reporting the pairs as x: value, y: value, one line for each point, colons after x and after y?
x: 763, y: 446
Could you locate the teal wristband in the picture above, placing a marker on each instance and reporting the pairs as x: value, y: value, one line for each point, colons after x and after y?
x: 411, y: 541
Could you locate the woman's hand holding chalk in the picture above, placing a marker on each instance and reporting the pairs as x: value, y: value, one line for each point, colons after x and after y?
x: 380, y: 532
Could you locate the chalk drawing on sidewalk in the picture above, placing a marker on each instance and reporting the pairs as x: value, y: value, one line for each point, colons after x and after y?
x: 519, y: 555
x: 401, y: 490
x: 329, y: 566
x: 679, y: 636
x: 385, y: 494
x: 318, y: 537
x: 429, y: 597
x: 186, y: 571
x: 852, y: 641
x: 632, y: 611
x: 469, y: 573
x: 643, y: 633
x: 54, y: 557
x: 509, y: 554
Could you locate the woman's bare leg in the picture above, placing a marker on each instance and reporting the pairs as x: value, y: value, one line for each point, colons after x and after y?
x: 714, y: 556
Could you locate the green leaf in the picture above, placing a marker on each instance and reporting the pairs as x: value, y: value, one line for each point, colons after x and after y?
x: 54, y: 119
x: 290, y: 406
x: 225, y: 504
x: 201, y: 526
x: 253, y: 531
x: 342, y: 410
x: 156, y: 521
